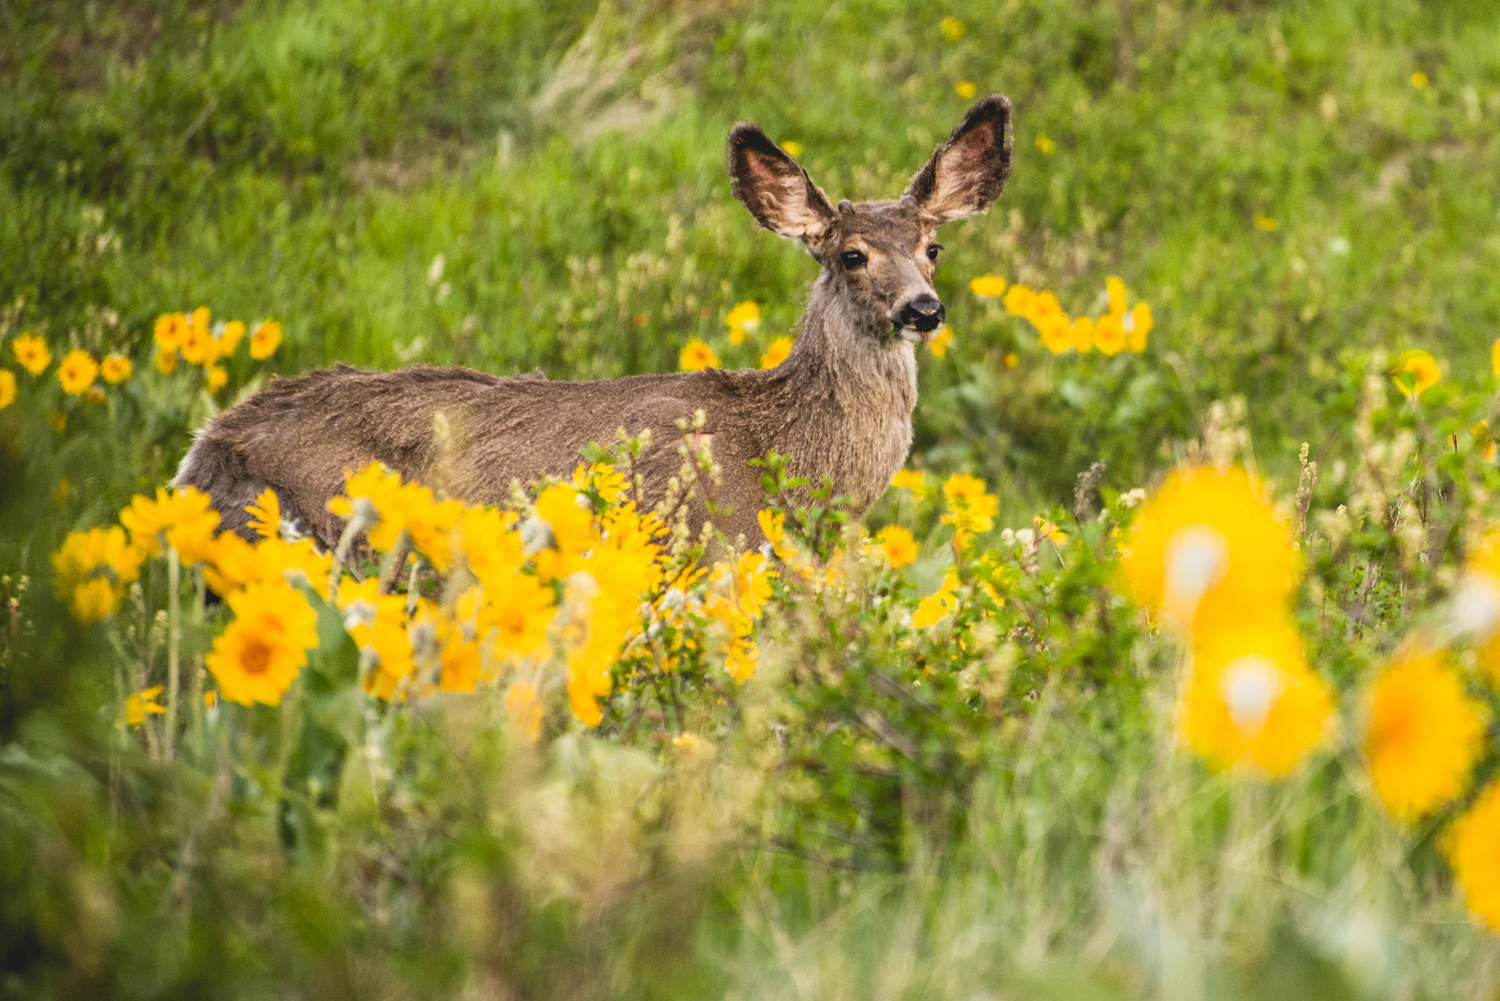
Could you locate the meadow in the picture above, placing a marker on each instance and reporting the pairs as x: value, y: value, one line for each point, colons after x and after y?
x: 1168, y: 668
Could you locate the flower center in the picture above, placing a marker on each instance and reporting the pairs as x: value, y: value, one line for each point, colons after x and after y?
x: 1476, y: 606
x: 1197, y: 557
x: 1249, y: 687
x: 256, y: 657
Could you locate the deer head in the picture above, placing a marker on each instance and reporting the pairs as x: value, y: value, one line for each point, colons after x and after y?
x: 879, y: 257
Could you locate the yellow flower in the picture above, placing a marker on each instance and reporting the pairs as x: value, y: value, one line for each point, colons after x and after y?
x: 914, y: 480
x: 1414, y: 372
x: 1045, y: 145
x: 743, y: 319
x: 116, y: 369
x: 171, y: 328
x: 265, y: 514
x: 776, y: 353
x: 1046, y: 529
x: 31, y: 351
x: 229, y: 337
x: 1495, y: 356
x: 940, y: 341
x: 260, y: 654
x: 1252, y: 701
x: 899, y: 546
x: 571, y: 523
x: 988, y: 286
x: 1419, y: 79
x: 1473, y: 848
x: 1109, y: 335
x: 1082, y: 335
x: 793, y: 147
x: 524, y: 709
x: 518, y: 607
x: 964, y: 89
x: 1476, y: 601
x: 697, y: 356
x: 1139, y: 323
x: 217, y: 377
x: 93, y: 569
x: 183, y: 519
x: 1011, y: 359
x: 265, y: 340
x: 1115, y: 290
x: 1207, y: 547
x: 166, y: 360
x: 1055, y: 330
x: 953, y: 28
x: 139, y: 704
x: 939, y: 605
x: 7, y: 388
x: 971, y: 508
x: 1423, y: 736
x: 1265, y: 223
x: 1020, y: 300
x: 199, y: 348
x: 401, y: 507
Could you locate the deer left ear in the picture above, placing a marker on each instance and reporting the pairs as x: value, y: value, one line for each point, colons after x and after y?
x: 967, y: 173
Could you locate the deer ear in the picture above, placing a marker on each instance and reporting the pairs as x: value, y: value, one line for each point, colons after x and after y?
x: 775, y: 188
x: 967, y: 173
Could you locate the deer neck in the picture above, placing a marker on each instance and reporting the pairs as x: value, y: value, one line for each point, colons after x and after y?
x: 852, y: 386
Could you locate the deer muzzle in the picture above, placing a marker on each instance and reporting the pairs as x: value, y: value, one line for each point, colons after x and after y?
x: 923, y: 314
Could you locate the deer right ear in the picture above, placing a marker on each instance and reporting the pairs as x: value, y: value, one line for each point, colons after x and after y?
x: 968, y: 172
x: 775, y: 188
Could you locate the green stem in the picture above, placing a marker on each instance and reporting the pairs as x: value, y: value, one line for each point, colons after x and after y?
x: 174, y: 644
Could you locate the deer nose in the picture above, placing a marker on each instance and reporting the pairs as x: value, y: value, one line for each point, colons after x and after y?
x: 923, y: 313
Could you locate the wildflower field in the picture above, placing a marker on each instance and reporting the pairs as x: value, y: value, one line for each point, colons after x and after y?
x: 1168, y: 668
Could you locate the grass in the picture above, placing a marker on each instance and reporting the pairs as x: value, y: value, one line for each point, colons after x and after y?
x: 509, y: 185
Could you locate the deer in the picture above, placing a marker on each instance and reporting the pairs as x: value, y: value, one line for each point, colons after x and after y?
x: 839, y: 406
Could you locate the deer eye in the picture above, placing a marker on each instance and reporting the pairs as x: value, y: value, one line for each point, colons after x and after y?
x: 932, y: 251
x: 853, y: 259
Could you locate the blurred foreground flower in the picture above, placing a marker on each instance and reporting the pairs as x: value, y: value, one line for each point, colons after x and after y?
x: 93, y: 570
x: 1423, y: 736
x: 182, y: 519
x: 1208, y: 549
x: 940, y: 341
x: 77, y: 372
x: 898, y: 545
x: 139, y: 704
x: 1253, y: 702
x: 7, y: 388
x: 988, y: 286
x: 1473, y: 848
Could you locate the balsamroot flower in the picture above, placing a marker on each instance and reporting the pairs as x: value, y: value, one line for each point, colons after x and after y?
x: 116, y: 369
x: 7, y: 388
x: 742, y: 320
x: 77, y: 372
x: 265, y: 339
x: 1208, y: 549
x: 1110, y: 336
x: 400, y: 507
x: 776, y: 352
x: 524, y: 710
x: 971, y: 508
x: 1414, y: 373
x: 183, y: 519
x: 1475, y: 608
x: 1252, y: 701
x: 898, y: 545
x: 939, y: 605
x: 988, y: 286
x: 697, y: 356
x: 1423, y: 736
x: 31, y: 351
x: 93, y: 569
x: 1473, y: 848
x: 941, y: 341
x: 262, y: 651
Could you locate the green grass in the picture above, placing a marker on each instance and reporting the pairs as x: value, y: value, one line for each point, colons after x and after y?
x: 311, y: 160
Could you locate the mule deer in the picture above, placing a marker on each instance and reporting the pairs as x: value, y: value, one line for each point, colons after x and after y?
x: 840, y: 404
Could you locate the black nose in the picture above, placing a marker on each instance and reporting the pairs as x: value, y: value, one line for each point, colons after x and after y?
x: 923, y: 313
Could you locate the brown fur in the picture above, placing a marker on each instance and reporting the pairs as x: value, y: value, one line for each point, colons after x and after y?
x: 839, y: 405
